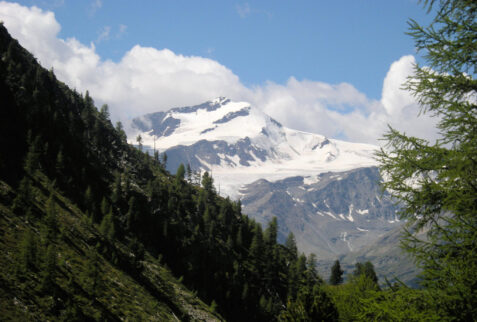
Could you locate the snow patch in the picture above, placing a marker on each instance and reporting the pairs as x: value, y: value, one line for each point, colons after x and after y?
x: 330, y: 214
x: 309, y: 180
x: 350, y: 218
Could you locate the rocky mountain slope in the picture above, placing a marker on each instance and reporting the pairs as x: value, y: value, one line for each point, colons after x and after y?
x: 239, y: 144
x: 323, y: 190
x: 330, y: 214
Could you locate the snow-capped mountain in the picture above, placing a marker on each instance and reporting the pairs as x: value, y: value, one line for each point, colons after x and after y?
x: 240, y: 144
x: 323, y: 190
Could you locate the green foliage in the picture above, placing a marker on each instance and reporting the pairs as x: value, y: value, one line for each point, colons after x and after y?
x: 51, y: 222
x: 366, y: 269
x: 336, y: 273
x: 437, y: 182
x: 139, y: 141
x: 290, y: 244
x: 28, y: 251
x: 180, y: 174
x: 49, y: 270
x: 91, y: 276
x: 360, y: 300
x: 107, y: 226
x: 23, y: 198
x: 311, y: 304
x: 207, y: 182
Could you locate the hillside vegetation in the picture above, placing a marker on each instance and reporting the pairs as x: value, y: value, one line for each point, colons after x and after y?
x: 89, y: 221
x: 92, y: 228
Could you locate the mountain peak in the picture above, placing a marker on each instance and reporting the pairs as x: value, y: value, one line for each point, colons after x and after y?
x: 241, y: 143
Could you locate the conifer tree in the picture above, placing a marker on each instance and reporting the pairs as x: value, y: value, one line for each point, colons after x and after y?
x: 51, y: 222
x: 28, y: 251
x: 104, y: 112
x: 207, y: 182
x: 290, y: 244
x: 107, y: 226
x: 336, y: 273
x: 60, y: 163
x: 139, y: 141
x: 180, y: 174
x: 437, y: 181
x: 117, y: 189
x: 49, y: 269
x: 366, y: 269
x: 23, y: 197
x: 164, y: 160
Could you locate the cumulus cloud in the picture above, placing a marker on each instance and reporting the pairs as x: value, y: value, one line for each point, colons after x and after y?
x: 148, y: 80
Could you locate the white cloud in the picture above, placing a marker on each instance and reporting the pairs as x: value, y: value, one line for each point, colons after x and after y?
x: 147, y: 80
x: 103, y: 34
x: 243, y: 10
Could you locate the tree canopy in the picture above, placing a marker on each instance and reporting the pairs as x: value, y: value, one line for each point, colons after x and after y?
x: 437, y: 181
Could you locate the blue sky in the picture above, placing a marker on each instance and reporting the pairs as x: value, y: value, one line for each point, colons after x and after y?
x: 336, y: 41
x: 309, y: 64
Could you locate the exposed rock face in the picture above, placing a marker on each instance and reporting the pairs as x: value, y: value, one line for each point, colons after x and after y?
x: 325, y: 191
x: 330, y: 213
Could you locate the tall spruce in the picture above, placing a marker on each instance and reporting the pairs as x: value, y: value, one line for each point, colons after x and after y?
x: 336, y: 273
x: 437, y: 181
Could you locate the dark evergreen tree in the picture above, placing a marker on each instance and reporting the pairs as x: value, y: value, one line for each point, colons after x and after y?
x: 290, y: 244
x: 51, y: 222
x: 107, y: 226
x: 366, y: 269
x: 164, y: 160
x: 180, y: 174
x: 28, y: 251
x: 336, y: 273
x: 49, y: 270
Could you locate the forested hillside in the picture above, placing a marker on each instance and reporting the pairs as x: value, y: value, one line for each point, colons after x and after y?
x: 93, y: 229
x: 80, y: 206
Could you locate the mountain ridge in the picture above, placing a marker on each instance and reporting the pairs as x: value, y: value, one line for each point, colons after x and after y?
x: 241, y: 144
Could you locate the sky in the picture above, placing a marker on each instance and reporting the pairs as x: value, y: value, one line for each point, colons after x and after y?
x: 330, y: 67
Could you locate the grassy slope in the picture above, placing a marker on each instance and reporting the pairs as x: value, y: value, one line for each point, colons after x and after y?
x: 152, y: 295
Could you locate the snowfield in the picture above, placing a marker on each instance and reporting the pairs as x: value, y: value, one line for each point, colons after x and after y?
x: 283, y: 153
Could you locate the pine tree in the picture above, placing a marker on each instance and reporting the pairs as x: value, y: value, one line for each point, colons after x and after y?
x: 23, y: 197
x: 60, y: 163
x: 49, y: 270
x: 442, y: 197
x: 139, y: 141
x: 366, y: 269
x: 107, y: 226
x: 51, y: 222
x: 117, y: 189
x: 336, y: 274
x: 208, y: 182
x: 189, y: 173
x: 290, y: 244
x: 180, y: 174
x: 28, y: 251
x: 164, y: 160
x: 104, y: 112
